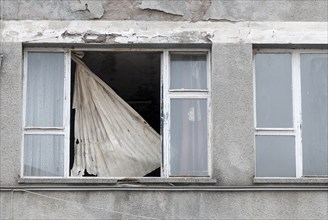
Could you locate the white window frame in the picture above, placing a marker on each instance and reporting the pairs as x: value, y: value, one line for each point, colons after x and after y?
x: 169, y: 94
x: 166, y: 95
x: 65, y: 130
x: 296, y: 130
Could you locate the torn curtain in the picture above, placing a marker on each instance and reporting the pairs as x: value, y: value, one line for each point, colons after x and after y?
x: 111, y: 138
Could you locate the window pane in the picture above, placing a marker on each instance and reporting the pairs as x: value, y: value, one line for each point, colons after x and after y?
x: 45, y: 89
x: 275, y: 156
x: 274, y: 107
x: 188, y: 152
x: 44, y: 155
x: 188, y: 71
x: 314, y: 78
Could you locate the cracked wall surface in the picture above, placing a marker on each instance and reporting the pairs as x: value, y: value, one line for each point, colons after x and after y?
x: 95, y: 8
x: 123, y: 32
x: 163, y: 205
x: 230, y: 29
x: 231, y: 71
x: 169, y: 10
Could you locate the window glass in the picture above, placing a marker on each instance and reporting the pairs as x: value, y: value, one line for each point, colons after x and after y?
x: 45, y: 89
x: 188, y: 143
x: 188, y: 71
x: 274, y: 107
x: 43, y: 155
x: 275, y: 156
x: 314, y: 78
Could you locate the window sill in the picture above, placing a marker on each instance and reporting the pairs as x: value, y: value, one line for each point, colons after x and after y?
x: 113, y: 181
x: 72, y: 180
x: 312, y: 180
x: 173, y: 180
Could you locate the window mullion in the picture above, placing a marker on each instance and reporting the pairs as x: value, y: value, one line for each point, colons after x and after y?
x: 24, y: 111
x: 67, y: 113
x: 297, y: 112
x: 166, y: 114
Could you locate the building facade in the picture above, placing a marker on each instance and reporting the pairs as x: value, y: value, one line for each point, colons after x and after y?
x: 236, y: 90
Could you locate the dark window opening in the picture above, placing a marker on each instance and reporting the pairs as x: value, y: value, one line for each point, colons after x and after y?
x: 134, y: 76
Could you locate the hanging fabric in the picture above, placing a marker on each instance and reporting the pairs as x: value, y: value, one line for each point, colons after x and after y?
x: 111, y: 138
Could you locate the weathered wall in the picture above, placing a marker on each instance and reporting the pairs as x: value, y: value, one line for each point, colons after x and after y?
x: 232, y: 79
x: 173, y: 10
x: 10, y: 113
x: 163, y: 205
x: 230, y: 28
x: 232, y: 99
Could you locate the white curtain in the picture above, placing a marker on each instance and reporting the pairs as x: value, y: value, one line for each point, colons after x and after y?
x: 44, y: 153
x: 111, y: 139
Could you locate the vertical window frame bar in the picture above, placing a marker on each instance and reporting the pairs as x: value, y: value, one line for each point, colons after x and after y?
x: 297, y: 112
x: 166, y: 114
x: 67, y: 113
x: 209, y: 115
x: 25, y: 55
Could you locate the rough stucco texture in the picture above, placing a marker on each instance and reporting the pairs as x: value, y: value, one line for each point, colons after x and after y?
x: 10, y: 114
x: 232, y: 106
x: 272, y: 10
x: 190, y: 10
x: 168, y: 205
x: 5, y: 205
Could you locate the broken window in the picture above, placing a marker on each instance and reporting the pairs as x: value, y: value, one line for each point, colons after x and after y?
x: 117, y: 113
x: 291, y: 113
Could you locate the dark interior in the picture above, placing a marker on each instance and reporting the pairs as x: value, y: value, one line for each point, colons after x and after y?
x: 134, y: 76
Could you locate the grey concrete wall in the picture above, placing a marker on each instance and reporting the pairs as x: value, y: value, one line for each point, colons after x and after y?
x: 232, y: 102
x: 158, y: 10
x: 233, y: 127
x: 163, y: 205
x: 10, y: 113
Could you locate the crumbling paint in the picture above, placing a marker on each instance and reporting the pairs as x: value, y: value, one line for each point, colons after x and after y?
x: 94, y: 7
x: 191, y: 10
x: 125, y: 32
x: 192, y: 36
x: 98, y: 38
x: 230, y: 11
x: 167, y: 10
x: 89, y: 36
x: 67, y: 34
x: 168, y: 6
x: 92, y: 38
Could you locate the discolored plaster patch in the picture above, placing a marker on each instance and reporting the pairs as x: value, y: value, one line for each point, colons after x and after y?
x: 269, y: 10
x: 170, y: 6
x: 95, y: 8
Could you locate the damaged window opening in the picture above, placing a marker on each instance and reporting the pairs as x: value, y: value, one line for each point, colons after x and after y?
x: 116, y: 113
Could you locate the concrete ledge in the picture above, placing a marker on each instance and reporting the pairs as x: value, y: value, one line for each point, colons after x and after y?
x: 160, y: 180
x: 318, y: 180
x: 97, y: 180
x: 86, y: 180
x: 141, y: 187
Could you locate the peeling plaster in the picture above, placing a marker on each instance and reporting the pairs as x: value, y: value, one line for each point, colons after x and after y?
x: 167, y: 10
x: 118, y: 32
x: 230, y: 11
x: 169, y: 6
x: 93, y: 7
